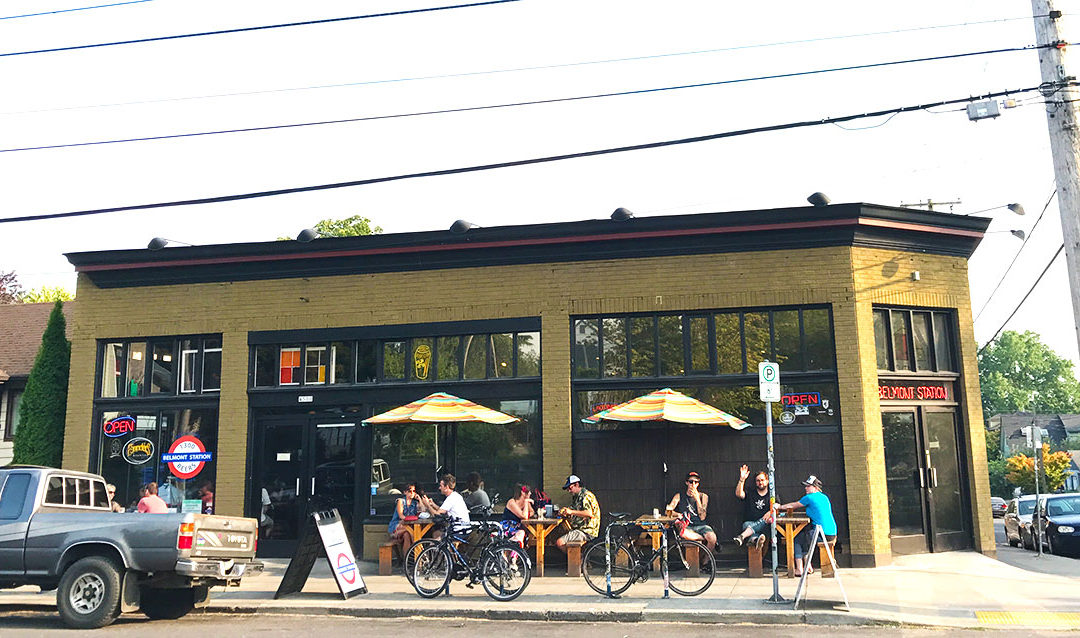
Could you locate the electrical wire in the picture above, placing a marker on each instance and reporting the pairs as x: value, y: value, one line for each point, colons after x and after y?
x: 866, y: 128
x: 256, y: 28
x: 513, y: 69
x: 508, y: 164
x: 1027, y: 237
x: 466, y: 109
x: 1017, y: 308
x: 98, y: 6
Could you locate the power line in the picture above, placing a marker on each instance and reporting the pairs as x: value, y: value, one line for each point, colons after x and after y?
x: 1030, y: 290
x: 509, y: 164
x: 98, y: 6
x: 516, y: 69
x: 1016, y: 256
x: 257, y: 28
x: 466, y: 109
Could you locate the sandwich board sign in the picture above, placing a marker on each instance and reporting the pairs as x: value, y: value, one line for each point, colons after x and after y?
x: 334, y: 543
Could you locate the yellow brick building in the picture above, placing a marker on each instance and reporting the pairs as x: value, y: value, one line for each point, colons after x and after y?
x: 250, y: 367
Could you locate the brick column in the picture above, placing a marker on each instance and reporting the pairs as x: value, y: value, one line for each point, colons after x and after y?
x: 232, y: 450
x: 79, y: 424
x: 555, y: 389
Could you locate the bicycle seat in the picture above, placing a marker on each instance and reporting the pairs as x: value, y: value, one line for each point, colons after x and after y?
x: 620, y: 516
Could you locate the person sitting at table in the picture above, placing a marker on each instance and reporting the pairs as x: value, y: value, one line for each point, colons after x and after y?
x: 453, y: 505
x: 517, y: 509
x: 408, y: 505
x: 474, y: 494
x: 694, y: 508
x: 756, y: 512
x: 583, y: 515
x: 819, y: 510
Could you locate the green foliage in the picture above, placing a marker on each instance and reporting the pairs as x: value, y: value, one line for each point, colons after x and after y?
x: 10, y: 290
x: 349, y: 227
x: 39, y: 438
x: 1053, y: 467
x: 999, y: 483
x: 46, y: 294
x: 993, y: 445
x: 1018, y: 372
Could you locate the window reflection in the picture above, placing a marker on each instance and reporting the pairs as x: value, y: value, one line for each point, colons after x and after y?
x: 586, y: 356
x: 614, y: 347
x: 449, y: 358
x: 729, y: 350
x: 756, y: 333
x: 394, y: 360
x: 528, y: 354
x: 502, y: 352
x: 642, y: 347
x: 136, y: 369
x: 475, y: 355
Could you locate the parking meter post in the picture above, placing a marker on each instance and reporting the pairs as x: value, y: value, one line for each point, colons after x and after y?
x: 1036, y: 453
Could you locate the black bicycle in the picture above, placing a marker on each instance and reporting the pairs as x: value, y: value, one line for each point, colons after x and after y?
x: 408, y: 563
x: 690, y: 564
x: 478, y: 553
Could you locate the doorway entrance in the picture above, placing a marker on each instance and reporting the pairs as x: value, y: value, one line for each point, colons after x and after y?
x: 301, y: 464
x: 925, y: 490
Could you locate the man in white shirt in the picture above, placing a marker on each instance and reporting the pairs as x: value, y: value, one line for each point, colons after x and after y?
x: 453, y: 505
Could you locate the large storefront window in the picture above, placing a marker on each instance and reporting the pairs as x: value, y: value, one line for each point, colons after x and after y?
x: 173, y: 365
x: 470, y: 357
x: 503, y: 455
x: 913, y: 340
x: 175, y: 448
x: 722, y: 343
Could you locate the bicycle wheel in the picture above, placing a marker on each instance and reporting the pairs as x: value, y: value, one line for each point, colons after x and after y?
x: 691, y: 568
x: 594, y: 568
x: 413, y: 553
x: 505, y: 572
x: 432, y: 571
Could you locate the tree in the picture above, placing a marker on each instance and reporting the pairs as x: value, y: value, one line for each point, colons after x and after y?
x: 349, y: 227
x: 1018, y: 372
x: 39, y: 439
x: 1053, y: 468
x: 998, y: 470
x: 10, y: 290
x: 46, y: 294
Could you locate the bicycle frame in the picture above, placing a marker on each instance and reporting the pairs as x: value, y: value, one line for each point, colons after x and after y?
x: 660, y: 552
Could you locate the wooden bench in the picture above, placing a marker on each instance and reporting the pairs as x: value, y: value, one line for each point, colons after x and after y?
x: 573, y: 558
x: 753, y: 559
x: 823, y: 559
x: 386, y: 557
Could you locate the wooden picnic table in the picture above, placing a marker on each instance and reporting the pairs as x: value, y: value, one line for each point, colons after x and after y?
x: 418, y: 528
x: 538, y: 529
x: 656, y: 536
x: 789, y: 526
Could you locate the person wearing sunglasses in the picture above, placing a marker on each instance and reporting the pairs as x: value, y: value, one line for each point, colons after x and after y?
x: 693, y: 507
x: 409, y: 506
x: 113, y: 505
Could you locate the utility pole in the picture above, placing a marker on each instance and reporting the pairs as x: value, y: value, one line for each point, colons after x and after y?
x: 1064, y: 139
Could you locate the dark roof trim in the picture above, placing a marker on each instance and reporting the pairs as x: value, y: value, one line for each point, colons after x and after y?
x: 399, y: 331
x: 842, y: 224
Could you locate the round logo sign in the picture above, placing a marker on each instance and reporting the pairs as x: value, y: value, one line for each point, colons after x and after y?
x: 787, y: 418
x: 346, y: 568
x: 187, y: 457
x: 138, y: 450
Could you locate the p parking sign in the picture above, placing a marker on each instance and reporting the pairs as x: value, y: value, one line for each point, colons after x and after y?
x: 769, y: 381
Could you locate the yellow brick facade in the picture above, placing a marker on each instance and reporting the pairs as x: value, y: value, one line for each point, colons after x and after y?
x: 850, y: 279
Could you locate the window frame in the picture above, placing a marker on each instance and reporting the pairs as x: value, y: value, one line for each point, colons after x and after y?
x: 176, y: 377
x: 909, y: 319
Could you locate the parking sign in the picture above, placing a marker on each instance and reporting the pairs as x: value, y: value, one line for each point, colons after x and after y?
x: 769, y: 381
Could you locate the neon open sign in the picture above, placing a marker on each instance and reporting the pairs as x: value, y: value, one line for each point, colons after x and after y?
x: 802, y: 398
x: 119, y: 426
x: 922, y: 392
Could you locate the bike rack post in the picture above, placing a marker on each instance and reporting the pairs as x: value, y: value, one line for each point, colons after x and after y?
x: 664, y: 560
x: 607, y: 559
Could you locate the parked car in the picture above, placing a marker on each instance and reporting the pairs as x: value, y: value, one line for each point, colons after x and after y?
x: 1018, y: 521
x: 58, y: 531
x: 998, y: 506
x: 1060, y: 519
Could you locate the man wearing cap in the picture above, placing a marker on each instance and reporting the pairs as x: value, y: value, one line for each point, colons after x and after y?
x: 583, y: 515
x: 819, y: 510
x: 693, y: 506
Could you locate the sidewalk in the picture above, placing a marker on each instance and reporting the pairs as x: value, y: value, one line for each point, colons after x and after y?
x: 955, y: 589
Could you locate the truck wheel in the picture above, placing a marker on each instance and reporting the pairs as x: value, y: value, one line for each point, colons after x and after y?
x: 166, y: 604
x: 89, y: 593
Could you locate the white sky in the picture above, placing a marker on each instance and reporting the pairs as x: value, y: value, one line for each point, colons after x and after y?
x: 910, y: 158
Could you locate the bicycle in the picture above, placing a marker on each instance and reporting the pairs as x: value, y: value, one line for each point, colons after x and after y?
x: 408, y: 562
x: 499, y: 565
x: 691, y: 567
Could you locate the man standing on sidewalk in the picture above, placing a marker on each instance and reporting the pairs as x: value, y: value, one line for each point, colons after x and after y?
x: 756, y: 512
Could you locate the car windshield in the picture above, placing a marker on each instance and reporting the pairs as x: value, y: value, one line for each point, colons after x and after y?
x: 1026, y: 507
x: 1069, y: 506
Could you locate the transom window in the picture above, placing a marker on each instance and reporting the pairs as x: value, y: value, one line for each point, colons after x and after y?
x: 502, y: 355
x: 702, y: 343
x: 913, y: 340
x: 160, y: 366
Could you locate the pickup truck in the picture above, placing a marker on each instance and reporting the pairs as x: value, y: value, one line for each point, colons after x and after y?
x: 57, y: 531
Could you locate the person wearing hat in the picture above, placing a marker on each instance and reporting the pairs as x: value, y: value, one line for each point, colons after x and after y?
x: 693, y: 506
x: 819, y: 510
x: 583, y: 515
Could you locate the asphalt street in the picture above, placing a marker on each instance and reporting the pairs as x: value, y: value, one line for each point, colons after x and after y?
x: 1030, y: 560
x: 41, y: 624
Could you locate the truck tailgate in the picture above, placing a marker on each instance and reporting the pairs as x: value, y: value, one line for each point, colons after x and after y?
x: 224, y: 537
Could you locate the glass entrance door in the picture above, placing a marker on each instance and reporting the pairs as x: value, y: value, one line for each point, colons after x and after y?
x: 301, y: 464
x: 925, y: 491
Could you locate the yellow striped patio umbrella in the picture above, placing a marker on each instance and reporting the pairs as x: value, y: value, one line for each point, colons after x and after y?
x: 441, y: 407
x: 668, y: 405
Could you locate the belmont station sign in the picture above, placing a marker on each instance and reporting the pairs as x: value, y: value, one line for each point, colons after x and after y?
x: 916, y: 391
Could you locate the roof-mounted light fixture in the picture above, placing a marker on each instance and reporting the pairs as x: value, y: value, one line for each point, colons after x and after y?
x: 307, y: 235
x: 158, y: 243
x: 819, y: 199
x: 460, y: 227
x: 622, y: 214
